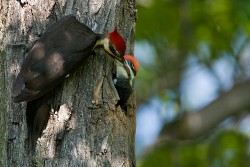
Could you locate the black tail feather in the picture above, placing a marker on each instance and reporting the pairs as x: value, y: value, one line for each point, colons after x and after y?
x: 37, y: 115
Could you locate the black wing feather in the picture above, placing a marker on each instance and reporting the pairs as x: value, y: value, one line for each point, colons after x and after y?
x: 61, y: 49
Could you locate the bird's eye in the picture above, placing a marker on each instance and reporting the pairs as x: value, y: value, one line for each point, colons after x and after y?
x: 131, y: 65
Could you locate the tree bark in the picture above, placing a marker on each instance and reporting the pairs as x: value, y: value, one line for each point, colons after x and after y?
x: 85, y: 127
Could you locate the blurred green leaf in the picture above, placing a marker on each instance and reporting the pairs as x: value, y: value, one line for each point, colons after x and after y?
x: 206, y: 29
x: 194, y: 21
x: 227, y: 149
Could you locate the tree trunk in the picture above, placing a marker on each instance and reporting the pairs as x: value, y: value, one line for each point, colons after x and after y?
x: 84, y: 126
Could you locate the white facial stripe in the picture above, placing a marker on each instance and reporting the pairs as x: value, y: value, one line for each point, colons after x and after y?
x: 105, y: 43
x: 121, y: 72
x: 132, y: 76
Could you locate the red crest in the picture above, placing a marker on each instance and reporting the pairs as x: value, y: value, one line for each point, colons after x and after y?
x: 117, y: 41
x: 134, y: 61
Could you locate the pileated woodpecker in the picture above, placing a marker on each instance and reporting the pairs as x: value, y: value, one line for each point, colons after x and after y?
x: 124, y: 78
x: 59, y: 51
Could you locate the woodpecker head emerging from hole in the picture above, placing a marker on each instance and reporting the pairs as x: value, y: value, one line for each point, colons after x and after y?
x: 132, y: 63
x: 113, y: 44
x: 124, y: 79
x: 128, y: 70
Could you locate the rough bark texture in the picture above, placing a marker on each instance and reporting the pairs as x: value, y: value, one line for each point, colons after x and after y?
x: 85, y: 128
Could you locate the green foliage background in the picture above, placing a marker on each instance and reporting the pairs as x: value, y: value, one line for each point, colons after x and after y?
x: 226, y: 149
x: 176, y: 29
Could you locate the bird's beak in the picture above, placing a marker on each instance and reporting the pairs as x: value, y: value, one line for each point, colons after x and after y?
x: 115, y: 56
x: 119, y: 58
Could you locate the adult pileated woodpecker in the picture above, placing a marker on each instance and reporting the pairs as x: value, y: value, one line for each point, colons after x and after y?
x: 60, y: 50
x: 124, y: 79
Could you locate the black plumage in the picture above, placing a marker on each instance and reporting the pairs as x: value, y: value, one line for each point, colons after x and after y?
x: 123, y: 79
x: 124, y: 90
x: 61, y: 49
